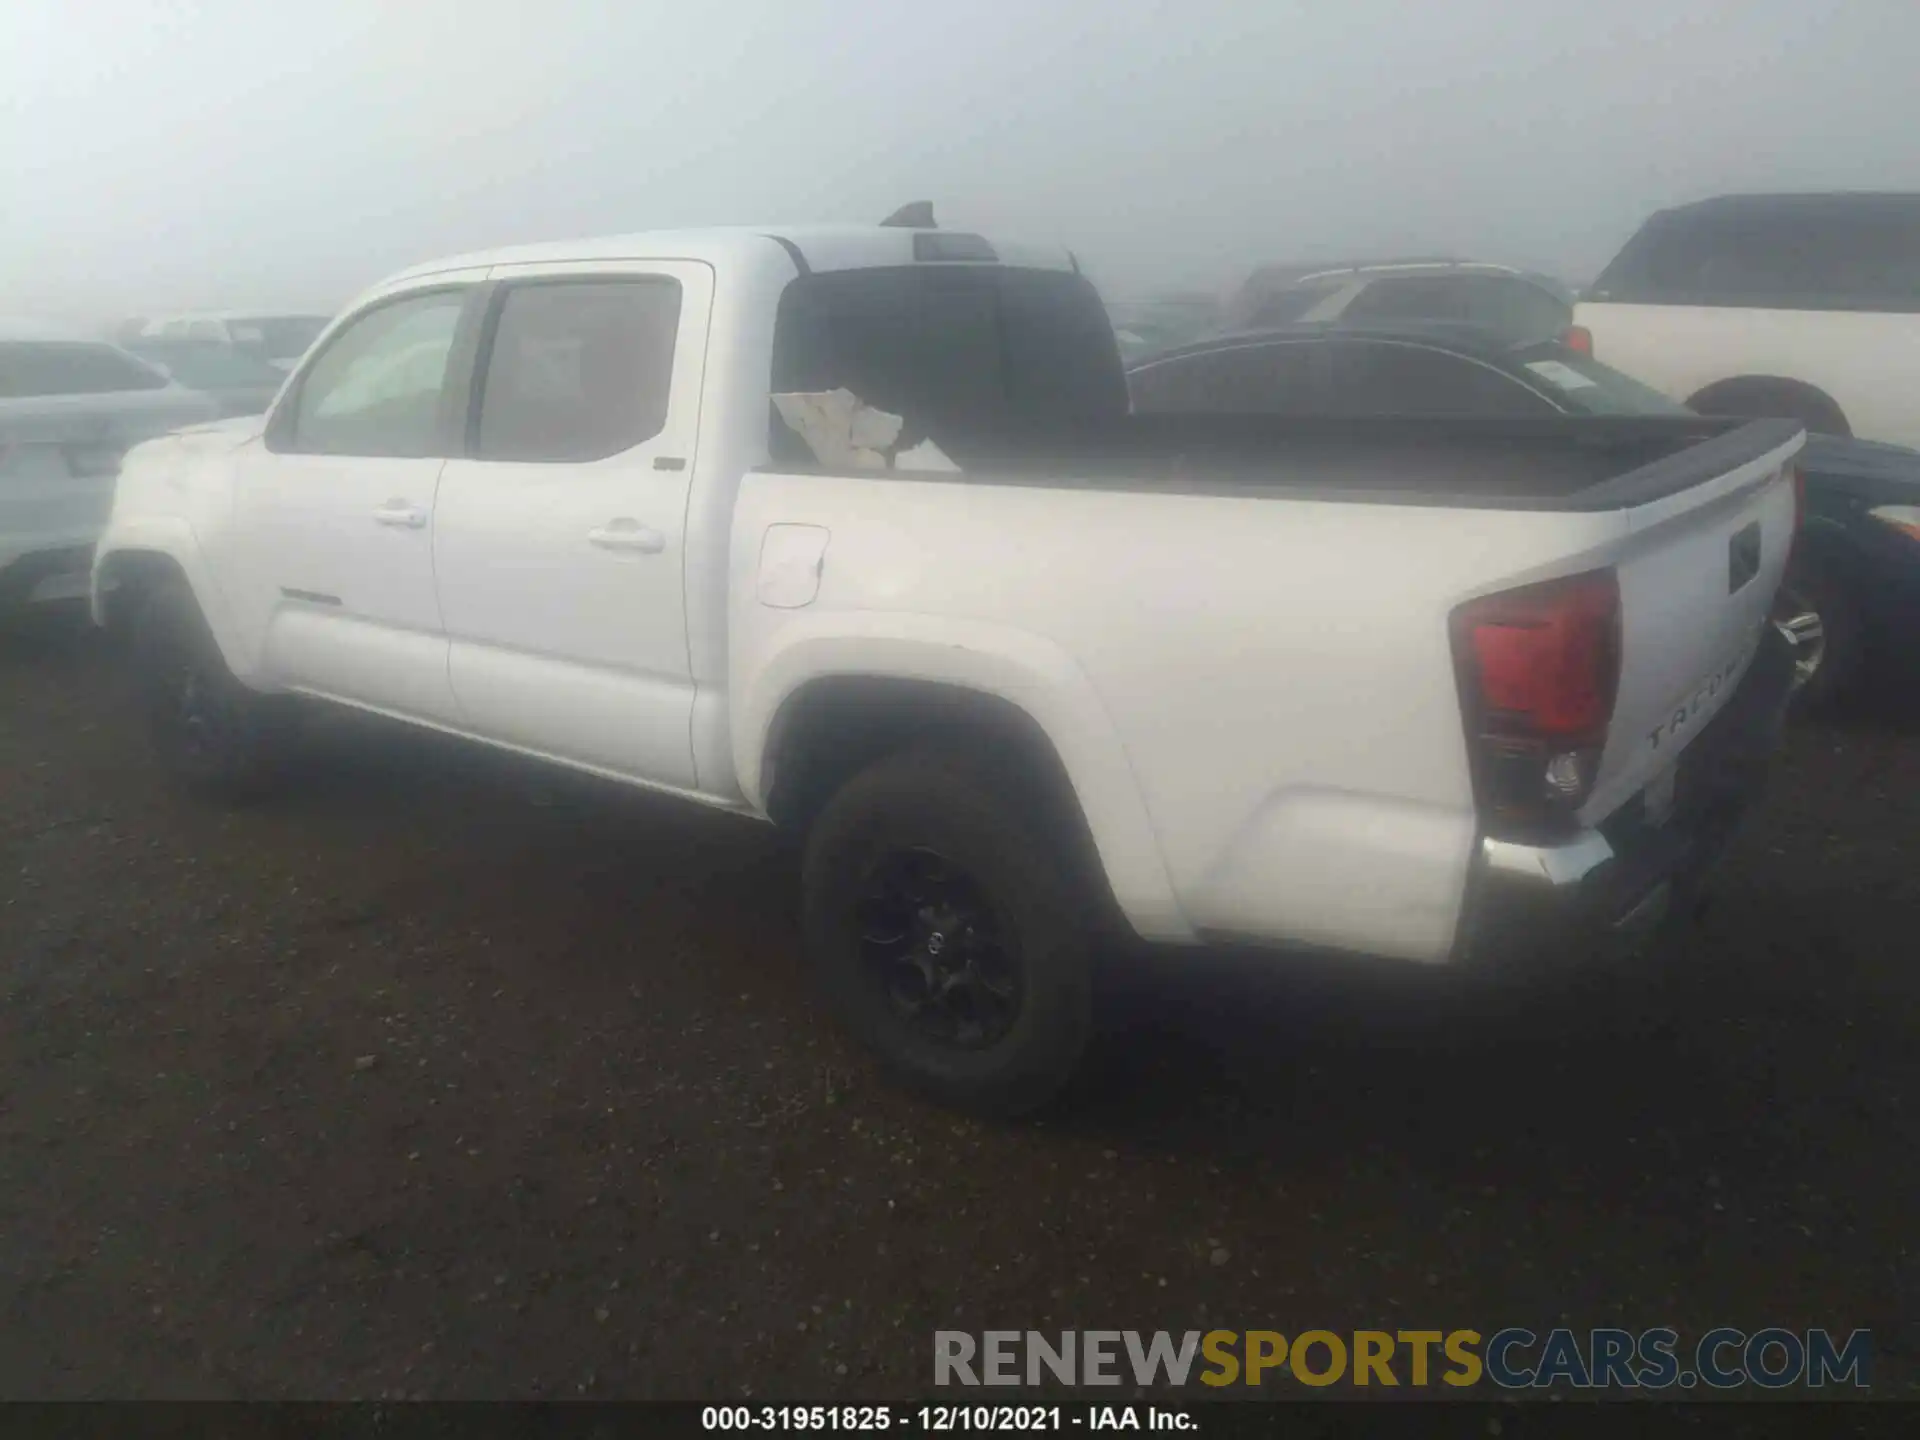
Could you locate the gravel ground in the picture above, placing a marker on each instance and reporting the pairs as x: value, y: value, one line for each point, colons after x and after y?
x: 439, y: 1077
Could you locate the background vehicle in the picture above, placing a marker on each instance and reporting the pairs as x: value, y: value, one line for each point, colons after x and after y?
x: 1143, y: 327
x: 1854, y: 585
x: 124, y: 332
x: 237, y: 381
x: 1351, y: 370
x: 1806, y: 306
x: 1854, y: 574
x: 1011, y: 704
x: 69, y: 406
x: 1518, y: 304
x: 280, y: 340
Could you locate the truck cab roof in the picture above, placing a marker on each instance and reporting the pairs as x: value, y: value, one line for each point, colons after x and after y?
x: 805, y: 247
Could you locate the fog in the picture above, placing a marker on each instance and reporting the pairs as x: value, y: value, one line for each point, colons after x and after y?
x: 162, y: 155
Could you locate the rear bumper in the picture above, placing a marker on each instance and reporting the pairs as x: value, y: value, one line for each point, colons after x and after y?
x: 1609, y: 887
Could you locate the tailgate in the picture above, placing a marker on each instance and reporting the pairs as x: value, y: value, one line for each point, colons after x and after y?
x: 1697, y: 574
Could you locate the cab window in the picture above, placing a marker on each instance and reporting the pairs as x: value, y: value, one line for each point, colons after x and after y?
x: 578, y: 369
x: 376, y: 389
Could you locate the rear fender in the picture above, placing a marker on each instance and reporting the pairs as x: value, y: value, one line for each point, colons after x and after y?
x: 1026, y: 671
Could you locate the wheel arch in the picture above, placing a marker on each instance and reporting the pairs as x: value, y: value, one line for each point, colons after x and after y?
x: 827, y: 707
x: 122, y: 576
x: 1749, y: 394
x: 130, y: 562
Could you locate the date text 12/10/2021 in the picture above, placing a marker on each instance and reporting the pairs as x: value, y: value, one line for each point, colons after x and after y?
x: 941, y: 1419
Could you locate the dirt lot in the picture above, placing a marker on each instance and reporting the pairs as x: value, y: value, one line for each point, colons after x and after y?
x: 440, y: 1078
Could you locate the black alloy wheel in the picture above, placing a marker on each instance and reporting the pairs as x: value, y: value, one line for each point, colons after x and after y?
x: 953, y: 927
x: 934, y: 949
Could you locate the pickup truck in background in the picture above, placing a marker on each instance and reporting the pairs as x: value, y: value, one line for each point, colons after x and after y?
x: 1025, y: 669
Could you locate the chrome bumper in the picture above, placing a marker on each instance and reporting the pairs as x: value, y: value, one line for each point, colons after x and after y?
x: 1556, y: 865
x: 1591, y: 886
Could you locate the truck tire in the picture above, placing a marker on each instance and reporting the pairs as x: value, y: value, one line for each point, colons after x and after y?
x: 1821, y: 621
x: 1761, y: 398
x: 948, y: 931
x: 210, y: 733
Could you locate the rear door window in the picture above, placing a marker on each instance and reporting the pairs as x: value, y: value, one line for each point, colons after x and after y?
x: 215, y: 367
x: 288, y: 339
x: 1409, y: 297
x: 1288, y: 306
x: 1388, y: 379
x: 1513, y: 308
x: 1273, y: 379
x: 578, y: 370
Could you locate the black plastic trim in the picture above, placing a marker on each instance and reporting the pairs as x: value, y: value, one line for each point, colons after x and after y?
x: 312, y: 597
x: 486, y: 324
x: 793, y: 254
x: 1692, y: 466
x: 458, y: 397
x: 1711, y: 448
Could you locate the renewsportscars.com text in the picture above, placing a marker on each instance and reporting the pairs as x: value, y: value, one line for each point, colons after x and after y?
x: 1513, y: 1358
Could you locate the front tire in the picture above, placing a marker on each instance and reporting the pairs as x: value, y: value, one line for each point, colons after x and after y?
x: 211, y: 734
x: 949, y: 933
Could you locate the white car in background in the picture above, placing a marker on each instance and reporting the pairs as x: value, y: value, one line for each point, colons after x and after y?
x: 69, y: 407
x: 1805, y: 307
x: 280, y: 340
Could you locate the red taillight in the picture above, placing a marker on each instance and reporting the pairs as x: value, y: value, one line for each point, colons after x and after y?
x: 1539, y: 668
x: 1578, y: 339
x: 1547, y: 657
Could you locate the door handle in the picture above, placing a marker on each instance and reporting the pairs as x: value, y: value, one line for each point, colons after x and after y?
x: 399, y: 512
x: 624, y: 534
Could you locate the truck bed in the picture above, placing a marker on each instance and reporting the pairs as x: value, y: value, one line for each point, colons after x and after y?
x: 1276, y: 681
x: 1558, y: 463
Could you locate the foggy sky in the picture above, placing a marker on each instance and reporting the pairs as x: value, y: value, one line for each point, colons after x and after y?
x: 163, y: 153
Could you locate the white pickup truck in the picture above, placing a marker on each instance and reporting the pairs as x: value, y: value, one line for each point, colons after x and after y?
x: 1415, y: 690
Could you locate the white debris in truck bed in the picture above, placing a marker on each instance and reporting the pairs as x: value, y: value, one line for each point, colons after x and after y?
x: 925, y: 456
x: 839, y: 427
